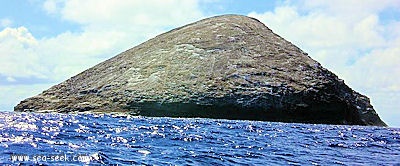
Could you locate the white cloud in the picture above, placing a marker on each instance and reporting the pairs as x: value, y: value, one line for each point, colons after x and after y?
x: 51, y: 6
x: 5, y: 22
x: 348, y: 37
x: 131, y: 12
x: 382, y: 68
x: 348, y: 10
x: 18, y: 54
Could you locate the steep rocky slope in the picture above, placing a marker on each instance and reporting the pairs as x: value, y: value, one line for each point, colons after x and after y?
x: 227, y: 66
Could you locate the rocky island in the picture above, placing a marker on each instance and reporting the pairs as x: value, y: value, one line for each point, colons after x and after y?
x: 230, y: 67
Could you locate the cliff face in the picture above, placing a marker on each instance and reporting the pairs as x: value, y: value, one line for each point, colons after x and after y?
x: 229, y: 66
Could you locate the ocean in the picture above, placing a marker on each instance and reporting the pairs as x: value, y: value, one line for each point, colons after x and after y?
x: 105, y: 139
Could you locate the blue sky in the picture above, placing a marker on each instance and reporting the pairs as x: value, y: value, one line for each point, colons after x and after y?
x: 43, y: 42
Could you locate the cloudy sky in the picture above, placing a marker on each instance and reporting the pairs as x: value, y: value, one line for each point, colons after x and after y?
x: 43, y: 42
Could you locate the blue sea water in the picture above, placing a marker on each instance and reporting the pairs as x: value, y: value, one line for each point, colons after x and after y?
x: 98, y: 139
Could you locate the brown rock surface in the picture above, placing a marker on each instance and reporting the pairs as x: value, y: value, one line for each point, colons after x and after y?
x: 228, y: 66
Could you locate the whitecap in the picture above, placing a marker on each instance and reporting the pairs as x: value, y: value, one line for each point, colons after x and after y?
x: 73, y: 145
x: 144, y: 152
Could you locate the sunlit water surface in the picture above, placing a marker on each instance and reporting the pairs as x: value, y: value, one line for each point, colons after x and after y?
x: 95, y: 139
